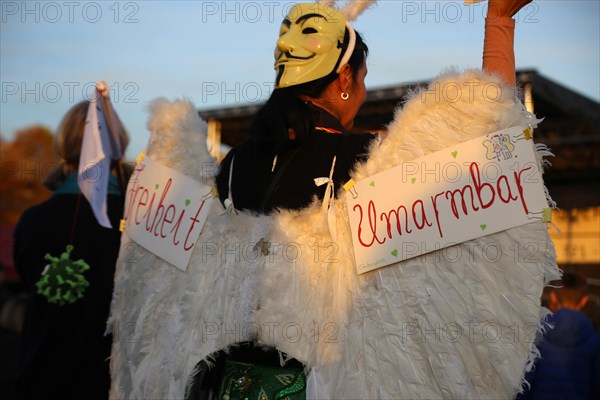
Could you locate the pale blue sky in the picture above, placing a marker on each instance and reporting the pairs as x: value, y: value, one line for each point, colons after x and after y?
x: 220, y: 53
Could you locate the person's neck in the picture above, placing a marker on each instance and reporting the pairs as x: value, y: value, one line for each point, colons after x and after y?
x: 327, y: 106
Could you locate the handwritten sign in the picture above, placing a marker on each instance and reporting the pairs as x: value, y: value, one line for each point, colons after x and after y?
x: 474, y: 189
x: 165, y: 211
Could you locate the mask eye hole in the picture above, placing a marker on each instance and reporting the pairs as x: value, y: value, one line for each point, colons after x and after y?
x: 307, y: 31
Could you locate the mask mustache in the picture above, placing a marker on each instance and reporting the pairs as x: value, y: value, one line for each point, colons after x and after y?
x: 290, y: 56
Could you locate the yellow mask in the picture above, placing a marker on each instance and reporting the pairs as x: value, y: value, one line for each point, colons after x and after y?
x: 310, y: 44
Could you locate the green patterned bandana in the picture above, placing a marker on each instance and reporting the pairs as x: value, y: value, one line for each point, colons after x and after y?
x: 258, y: 382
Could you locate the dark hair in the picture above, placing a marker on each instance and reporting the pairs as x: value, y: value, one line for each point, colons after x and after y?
x: 286, y: 120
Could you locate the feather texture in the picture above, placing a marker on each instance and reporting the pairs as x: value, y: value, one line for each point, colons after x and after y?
x: 352, y: 9
x: 456, y: 323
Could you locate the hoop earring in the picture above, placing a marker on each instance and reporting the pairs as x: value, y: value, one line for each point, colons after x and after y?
x: 344, y: 96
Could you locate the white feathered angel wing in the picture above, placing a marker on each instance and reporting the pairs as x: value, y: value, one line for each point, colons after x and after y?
x: 164, y: 320
x: 457, y: 323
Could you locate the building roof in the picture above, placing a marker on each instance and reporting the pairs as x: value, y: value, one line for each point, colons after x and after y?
x: 571, y: 128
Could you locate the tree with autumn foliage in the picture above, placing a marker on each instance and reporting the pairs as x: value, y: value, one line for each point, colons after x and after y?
x: 24, y: 162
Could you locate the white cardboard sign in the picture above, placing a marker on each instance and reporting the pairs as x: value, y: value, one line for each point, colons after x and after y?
x: 165, y: 211
x: 477, y: 188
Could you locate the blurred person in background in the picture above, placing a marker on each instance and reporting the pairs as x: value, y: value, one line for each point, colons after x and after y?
x: 64, y: 352
x: 569, y: 367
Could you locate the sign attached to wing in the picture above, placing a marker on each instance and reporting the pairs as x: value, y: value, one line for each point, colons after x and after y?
x: 165, y: 211
x: 477, y: 188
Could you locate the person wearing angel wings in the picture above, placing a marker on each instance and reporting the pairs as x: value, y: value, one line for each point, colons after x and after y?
x: 300, y: 149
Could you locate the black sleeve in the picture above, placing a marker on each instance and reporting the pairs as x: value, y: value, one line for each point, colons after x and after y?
x: 223, y: 176
x: 29, y: 260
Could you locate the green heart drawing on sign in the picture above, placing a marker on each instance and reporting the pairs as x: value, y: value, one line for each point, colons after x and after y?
x: 156, y: 186
x: 413, y: 180
x: 395, y: 253
x: 187, y: 202
x: 483, y: 226
x: 454, y: 154
x: 373, y: 183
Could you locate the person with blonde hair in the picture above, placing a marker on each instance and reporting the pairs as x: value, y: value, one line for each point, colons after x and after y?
x: 64, y: 352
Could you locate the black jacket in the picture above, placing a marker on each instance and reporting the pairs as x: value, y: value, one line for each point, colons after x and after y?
x: 256, y: 186
x: 64, y: 353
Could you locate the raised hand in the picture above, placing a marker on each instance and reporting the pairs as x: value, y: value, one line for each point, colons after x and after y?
x: 505, y: 8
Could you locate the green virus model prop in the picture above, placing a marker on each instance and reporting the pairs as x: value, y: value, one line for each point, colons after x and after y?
x: 62, y: 281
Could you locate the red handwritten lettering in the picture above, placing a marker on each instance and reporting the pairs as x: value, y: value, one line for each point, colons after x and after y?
x: 176, y: 228
x: 141, y: 203
x: 133, y: 181
x: 476, y: 177
x: 437, y: 214
x: 160, y: 209
x: 424, y: 220
x: 453, y: 193
x: 520, y: 187
x: 160, y: 217
x: 510, y: 197
x: 471, y: 198
x: 167, y: 219
x: 372, y: 225
x: 419, y: 219
x: 146, y: 216
x: 396, y: 213
x: 194, y: 221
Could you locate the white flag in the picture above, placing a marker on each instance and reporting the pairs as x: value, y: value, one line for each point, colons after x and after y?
x: 97, y: 150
